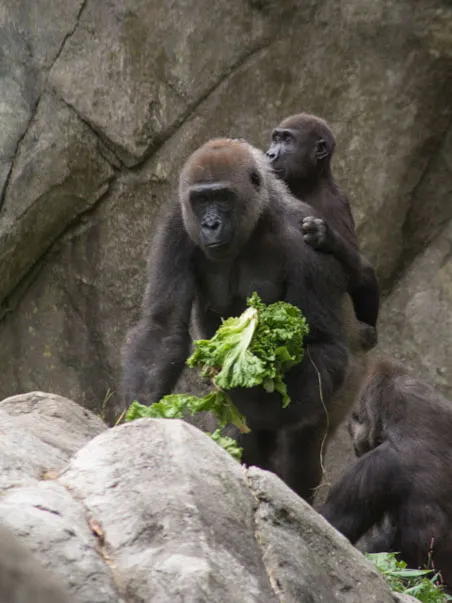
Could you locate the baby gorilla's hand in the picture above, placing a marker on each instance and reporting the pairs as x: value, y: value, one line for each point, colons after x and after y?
x: 317, y: 233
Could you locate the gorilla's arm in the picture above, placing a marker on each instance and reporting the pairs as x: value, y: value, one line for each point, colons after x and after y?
x: 365, y: 294
x: 379, y: 539
x: 373, y: 485
x: 156, y: 349
x: 319, y: 234
x: 363, y: 284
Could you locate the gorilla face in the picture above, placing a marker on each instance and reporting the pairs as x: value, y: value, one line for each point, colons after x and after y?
x: 359, y: 431
x: 295, y: 154
x: 365, y: 425
x: 301, y: 150
x: 213, y: 207
x: 222, y: 197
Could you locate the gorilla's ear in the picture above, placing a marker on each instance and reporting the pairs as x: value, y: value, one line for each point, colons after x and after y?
x: 322, y: 149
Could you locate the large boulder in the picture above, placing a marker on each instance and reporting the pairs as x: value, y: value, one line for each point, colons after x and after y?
x: 155, y: 511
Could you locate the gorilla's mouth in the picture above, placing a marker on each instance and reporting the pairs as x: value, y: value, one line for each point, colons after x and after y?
x: 220, y: 242
x: 219, y: 250
x: 217, y: 244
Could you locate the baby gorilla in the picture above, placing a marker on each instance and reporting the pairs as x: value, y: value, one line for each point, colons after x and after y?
x: 402, y: 433
x: 300, y: 153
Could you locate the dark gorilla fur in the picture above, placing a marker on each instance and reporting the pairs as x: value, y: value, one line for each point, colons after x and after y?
x: 402, y: 433
x: 22, y: 578
x: 300, y: 152
x: 233, y: 231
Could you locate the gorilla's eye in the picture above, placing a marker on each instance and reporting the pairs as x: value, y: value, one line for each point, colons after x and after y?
x: 255, y: 178
x: 287, y: 137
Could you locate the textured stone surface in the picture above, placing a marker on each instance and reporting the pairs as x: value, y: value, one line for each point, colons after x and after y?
x: 24, y: 457
x: 57, y: 175
x: 150, y: 65
x: 56, y: 421
x: 155, y: 511
x: 55, y: 528
x: 23, y: 579
x: 399, y: 598
x: 416, y: 322
x: 177, y: 513
x: 304, y: 554
x: 39, y: 433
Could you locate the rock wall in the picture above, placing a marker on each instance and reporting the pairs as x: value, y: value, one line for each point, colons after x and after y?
x: 101, y: 104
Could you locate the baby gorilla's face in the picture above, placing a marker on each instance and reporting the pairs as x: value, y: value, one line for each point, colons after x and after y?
x: 359, y: 430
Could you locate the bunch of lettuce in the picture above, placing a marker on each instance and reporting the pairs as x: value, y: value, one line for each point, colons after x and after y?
x: 255, y: 349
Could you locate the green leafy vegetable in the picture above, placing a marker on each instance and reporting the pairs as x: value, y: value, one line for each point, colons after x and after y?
x: 174, y: 406
x: 229, y: 444
x: 255, y: 349
x: 228, y: 353
x: 409, y: 581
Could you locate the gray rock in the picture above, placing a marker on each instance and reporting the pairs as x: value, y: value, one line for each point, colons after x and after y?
x: 42, y: 31
x: 56, y: 421
x: 150, y: 67
x: 57, y: 175
x: 424, y: 221
x: 22, y: 578
x: 32, y: 38
x: 18, y: 96
x: 38, y: 434
x: 54, y: 526
x: 176, y: 513
x: 155, y: 511
x: 306, y: 557
x: 416, y: 320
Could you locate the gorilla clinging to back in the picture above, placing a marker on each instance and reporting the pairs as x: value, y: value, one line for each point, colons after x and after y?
x: 300, y: 153
x: 235, y: 230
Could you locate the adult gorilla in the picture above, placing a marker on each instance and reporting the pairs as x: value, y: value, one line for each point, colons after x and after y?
x: 235, y: 230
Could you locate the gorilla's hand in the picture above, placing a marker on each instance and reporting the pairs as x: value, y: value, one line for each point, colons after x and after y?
x: 318, y: 234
